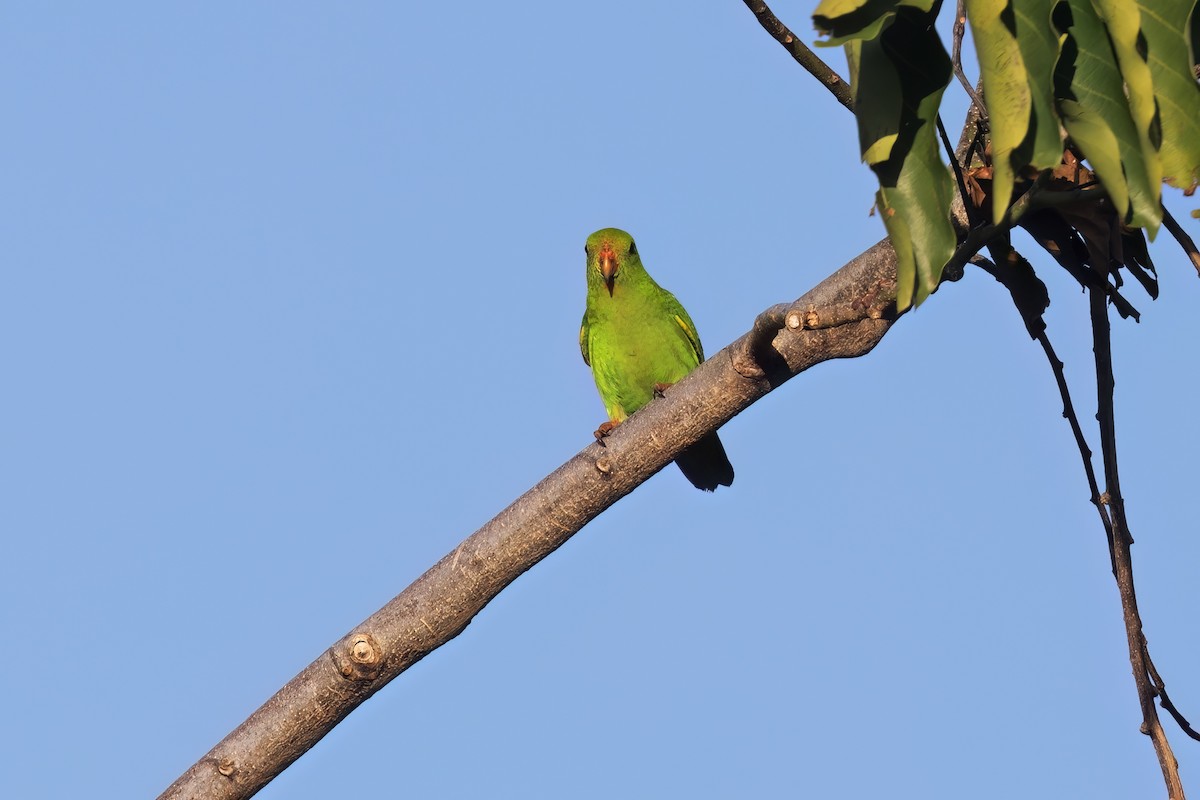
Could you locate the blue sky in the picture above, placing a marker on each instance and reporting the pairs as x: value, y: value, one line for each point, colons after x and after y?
x: 291, y: 303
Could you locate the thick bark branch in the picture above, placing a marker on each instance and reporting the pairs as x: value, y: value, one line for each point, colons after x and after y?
x: 442, y: 602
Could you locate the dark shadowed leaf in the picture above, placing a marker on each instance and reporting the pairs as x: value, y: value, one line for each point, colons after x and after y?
x: 901, y: 76
x: 843, y: 20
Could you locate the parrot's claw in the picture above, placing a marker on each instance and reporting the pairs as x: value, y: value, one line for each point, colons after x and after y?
x: 660, y: 389
x: 604, y: 430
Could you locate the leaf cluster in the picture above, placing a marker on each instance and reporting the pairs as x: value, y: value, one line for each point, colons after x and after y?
x: 1076, y: 94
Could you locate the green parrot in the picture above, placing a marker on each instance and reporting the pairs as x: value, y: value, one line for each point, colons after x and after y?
x: 638, y: 340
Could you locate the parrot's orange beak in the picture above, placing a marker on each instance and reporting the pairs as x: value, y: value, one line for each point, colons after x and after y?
x: 608, y: 266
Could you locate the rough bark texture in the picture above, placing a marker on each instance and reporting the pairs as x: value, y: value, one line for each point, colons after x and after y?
x: 850, y: 310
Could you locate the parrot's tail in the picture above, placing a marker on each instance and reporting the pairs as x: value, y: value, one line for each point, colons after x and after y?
x: 706, y: 465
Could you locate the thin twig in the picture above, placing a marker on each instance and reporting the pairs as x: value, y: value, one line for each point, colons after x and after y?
x: 836, y: 85
x: 1182, y: 237
x: 969, y: 209
x: 1085, y: 452
x: 1160, y: 687
x: 1120, y: 542
x: 1110, y: 506
x: 960, y: 28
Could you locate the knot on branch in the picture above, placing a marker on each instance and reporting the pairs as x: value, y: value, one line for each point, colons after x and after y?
x: 748, y: 357
x: 358, y: 657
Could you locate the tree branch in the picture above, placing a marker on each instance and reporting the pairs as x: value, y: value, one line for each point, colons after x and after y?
x: 1120, y: 542
x: 441, y: 603
x: 1164, y: 700
x: 1181, y: 236
x: 959, y: 30
x: 1085, y: 452
x: 804, y: 56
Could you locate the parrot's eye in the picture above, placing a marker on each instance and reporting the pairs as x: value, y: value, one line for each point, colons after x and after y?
x: 632, y: 248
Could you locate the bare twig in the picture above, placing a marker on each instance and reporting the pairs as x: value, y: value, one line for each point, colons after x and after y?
x: 960, y: 29
x: 1182, y: 237
x: 1121, y: 541
x: 969, y: 212
x: 836, y: 85
x: 1110, y: 506
x: 1160, y: 688
x: 1085, y: 452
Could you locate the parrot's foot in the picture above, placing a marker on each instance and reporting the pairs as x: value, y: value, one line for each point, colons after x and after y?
x: 604, y: 430
x: 661, y: 388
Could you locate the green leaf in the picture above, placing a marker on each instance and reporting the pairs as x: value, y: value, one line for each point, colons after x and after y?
x: 1099, y: 143
x: 1123, y: 21
x: 1017, y: 49
x: 901, y: 77
x: 1039, y: 50
x: 1005, y: 89
x: 878, y: 102
x: 869, y: 32
x: 844, y: 20
x: 853, y: 50
x: 1165, y: 24
x: 1094, y: 110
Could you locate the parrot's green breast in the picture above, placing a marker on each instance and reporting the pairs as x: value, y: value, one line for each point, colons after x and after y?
x: 636, y: 341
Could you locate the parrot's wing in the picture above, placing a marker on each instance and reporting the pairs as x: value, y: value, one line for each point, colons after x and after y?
x: 680, y: 314
x: 583, y: 341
